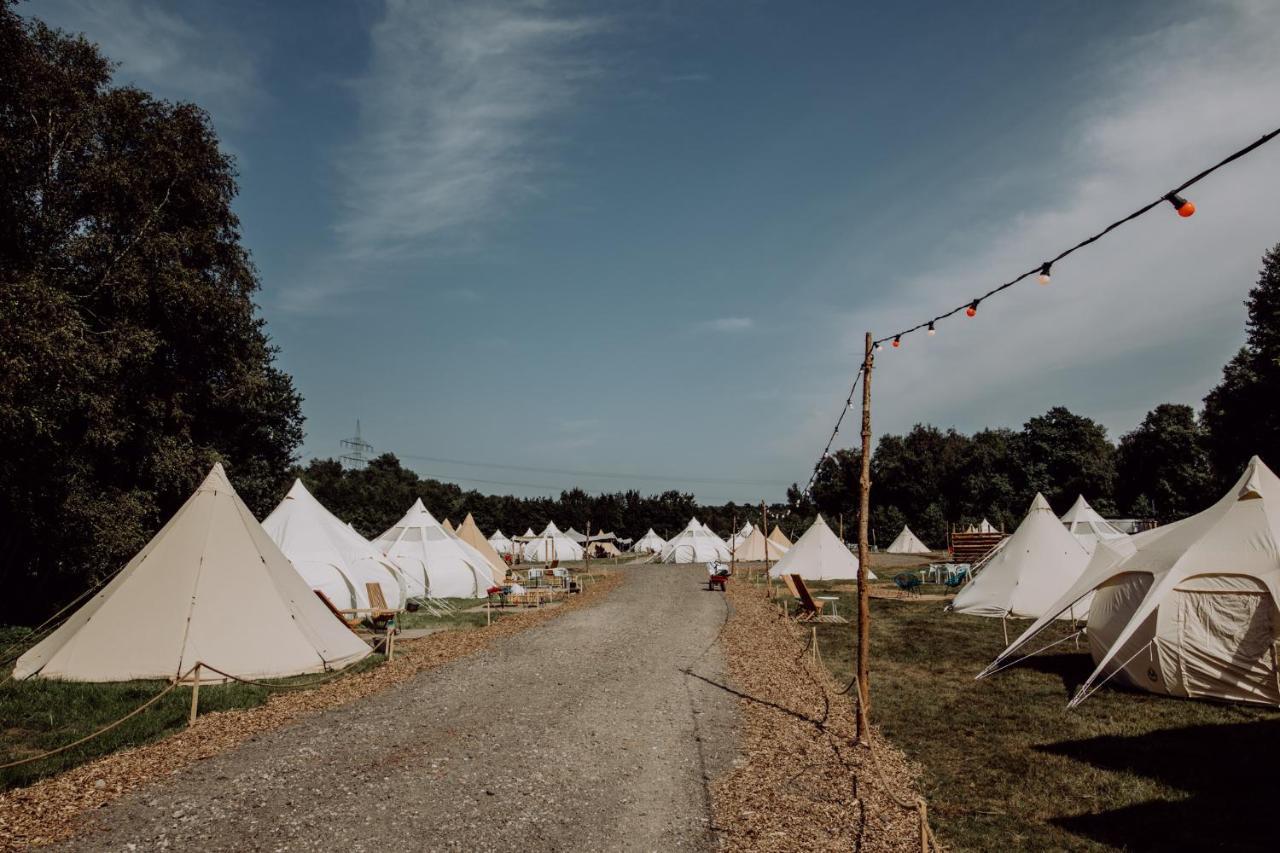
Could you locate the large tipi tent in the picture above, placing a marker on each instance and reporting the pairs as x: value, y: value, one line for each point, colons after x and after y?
x: 819, y: 555
x: 1084, y: 523
x: 551, y: 544
x: 650, y: 543
x: 776, y: 535
x: 695, y: 544
x: 432, y: 561
x: 751, y: 548
x: 331, y: 557
x: 736, y: 539
x: 1192, y: 610
x: 500, y: 543
x: 469, y: 533
x: 907, y: 543
x: 211, y: 587
x: 1029, y: 571
x: 573, y: 534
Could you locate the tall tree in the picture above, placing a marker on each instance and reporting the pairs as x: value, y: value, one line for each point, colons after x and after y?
x: 1065, y: 455
x: 1162, y: 467
x: 133, y: 354
x: 1240, y: 414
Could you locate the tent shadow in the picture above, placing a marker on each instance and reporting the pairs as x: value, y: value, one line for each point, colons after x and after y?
x: 1071, y: 668
x: 1227, y: 772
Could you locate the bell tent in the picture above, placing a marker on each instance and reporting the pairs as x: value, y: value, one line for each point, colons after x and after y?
x: 1191, y: 611
x: 695, y: 544
x: 1087, y: 526
x: 470, y: 533
x: 331, y: 557
x: 776, y: 535
x: 432, y: 561
x: 211, y: 587
x: 751, y: 548
x: 500, y: 543
x: 907, y: 543
x: 650, y: 543
x: 1028, y: 571
x: 551, y: 544
x: 819, y: 555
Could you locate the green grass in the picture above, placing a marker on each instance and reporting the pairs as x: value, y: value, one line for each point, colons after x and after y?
x: 1007, y: 766
x: 40, y: 715
x: 456, y: 619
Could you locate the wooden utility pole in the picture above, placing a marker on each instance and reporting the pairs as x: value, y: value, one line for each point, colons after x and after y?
x: 864, y: 552
x: 733, y: 546
x: 764, y: 522
x: 586, y: 551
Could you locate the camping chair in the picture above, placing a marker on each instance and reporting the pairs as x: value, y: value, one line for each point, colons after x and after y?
x: 908, y: 583
x: 379, y: 613
x: 956, y: 579
x: 350, y: 619
x: 810, y: 609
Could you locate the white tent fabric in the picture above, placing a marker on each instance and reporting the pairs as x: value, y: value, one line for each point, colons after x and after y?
x: 1084, y: 523
x: 736, y: 539
x: 819, y: 555
x: 551, y: 544
x: 1192, y: 610
x: 695, y: 544
x: 432, y: 560
x: 500, y: 543
x: 573, y: 534
x: 469, y: 533
x: 751, y: 549
x: 1029, y: 571
x: 985, y: 526
x: 331, y: 557
x: 907, y: 543
x: 211, y: 587
x: 650, y: 543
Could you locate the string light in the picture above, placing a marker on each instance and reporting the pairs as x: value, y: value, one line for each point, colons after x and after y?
x: 1185, y: 208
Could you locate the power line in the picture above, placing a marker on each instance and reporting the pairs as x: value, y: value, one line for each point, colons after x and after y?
x: 1042, y: 270
x: 607, y: 475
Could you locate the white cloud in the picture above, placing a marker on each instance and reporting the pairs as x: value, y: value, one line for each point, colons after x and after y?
x: 454, y: 120
x: 728, y: 324
x: 164, y: 53
x: 1162, y: 291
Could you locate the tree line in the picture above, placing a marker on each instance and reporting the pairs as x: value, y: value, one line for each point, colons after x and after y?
x: 133, y: 356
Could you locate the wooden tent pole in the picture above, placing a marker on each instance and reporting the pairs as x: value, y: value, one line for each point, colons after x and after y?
x: 864, y: 553
x: 733, y: 546
x: 764, y: 523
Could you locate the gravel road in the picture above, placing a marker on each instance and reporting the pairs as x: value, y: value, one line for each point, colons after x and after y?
x: 579, y: 734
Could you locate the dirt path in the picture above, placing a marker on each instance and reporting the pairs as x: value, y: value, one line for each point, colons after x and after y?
x: 580, y: 734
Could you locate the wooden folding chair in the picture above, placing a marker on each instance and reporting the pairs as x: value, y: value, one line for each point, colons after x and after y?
x: 810, y: 609
x: 379, y: 613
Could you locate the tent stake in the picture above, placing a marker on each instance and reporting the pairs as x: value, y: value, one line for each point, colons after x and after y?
x: 864, y: 553
x: 195, y: 696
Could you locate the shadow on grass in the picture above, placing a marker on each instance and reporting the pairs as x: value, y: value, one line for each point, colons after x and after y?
x: 1228, y: 771
x: 1071, y: 669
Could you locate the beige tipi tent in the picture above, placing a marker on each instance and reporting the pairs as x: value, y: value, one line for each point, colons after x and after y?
x: 448, y: 526
x: 776, y: 535
x: 1087, y: 526
x: 907, y: 543
x: 1028, y: 571
x: 211, y: 587
x: 819, y: 555
x: 1192, y: 609
x: 471, y: 534
x: 751, y: 548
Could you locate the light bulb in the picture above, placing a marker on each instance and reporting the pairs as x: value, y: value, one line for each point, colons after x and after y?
x: 932, y: 330
x: 897, y: 341
x: 1185, y: 208
x: 972, y: 310
x: 1043, y: 278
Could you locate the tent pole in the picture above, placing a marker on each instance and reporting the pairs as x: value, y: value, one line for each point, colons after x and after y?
x: 764, y: 523
x: 586, y: 552
x: 864, y: 553
x: 195, y: 697
x: 733, y: 547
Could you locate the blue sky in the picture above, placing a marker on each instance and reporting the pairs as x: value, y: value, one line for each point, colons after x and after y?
x: 646, y: 239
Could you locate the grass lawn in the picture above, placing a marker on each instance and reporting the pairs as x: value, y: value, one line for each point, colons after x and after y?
x: 1007, y: 766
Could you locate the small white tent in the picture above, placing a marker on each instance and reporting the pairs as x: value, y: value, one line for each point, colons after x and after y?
x: 211, y: 587
x: 751, y: 548
x: 551, y: 544
x: 985, y: 526
x: 695, y: 544
x: 819, y: 555
x: 580, y: 538
x: 1192, y: 611
x: 907, y: 543
x: 331, y: 557
x: 650, y: 543
x: 1086, y: 525
x: 1029, y: 570
x: 431, y: 559
x: 737, y: 538
x: 500, y: 543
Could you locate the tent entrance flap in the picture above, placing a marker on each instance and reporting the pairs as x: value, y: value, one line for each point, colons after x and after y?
x: 1226, y: 640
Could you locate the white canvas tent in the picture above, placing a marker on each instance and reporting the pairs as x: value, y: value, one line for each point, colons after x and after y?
x: 470, y: 534
x: 751, y: 549
x: 695, y: 544
x: 907, y: 543
x: 819, y: 555
x: 1191, y: 611
x: 551, y: 544
x: 500, y: 543
x: 742, y: 534
x: 985, y: 526
x: 211, y: 587
x: 1028, y: 571
x: 432, y: 561
x: 576, y: 536
x: 1087, y: 526
x: 331, y: 557
x: 650, y: 543
x: 776, y: 535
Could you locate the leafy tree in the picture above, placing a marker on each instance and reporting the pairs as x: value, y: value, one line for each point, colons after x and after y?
x: 1240, y: 414
x: 1162, y: 467
x: 133, y: 354
x: 1065, y: 455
